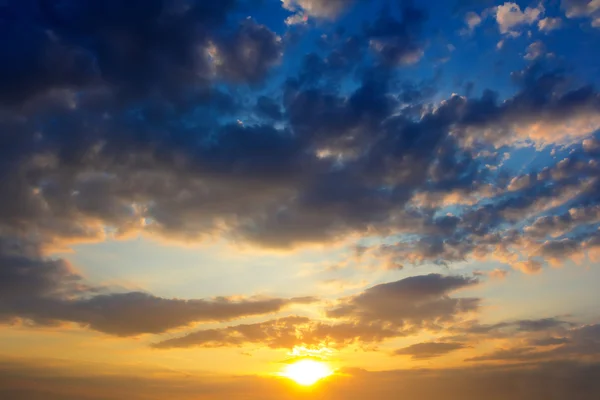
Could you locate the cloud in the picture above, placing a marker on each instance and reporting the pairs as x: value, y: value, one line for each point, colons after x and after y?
x: 510, y: 16
x: 286, y: 333
x: 579, y: 8
x: 549, y: 341
x: 397, y: 42
x: 498, y: 273
x: 381, y: 312
x: 549, y: 24
x: 535, y: 50
x: 414, y: 301
x: 529, y: 267
x: 582, y: 9
x: 248, y: 54
x: 578, y: 342
x: 424, y: 351
x: 514, y: 331
x: 46, y: 291
x: 473, y: 20
x: 280, y: 333
x: 315, y: 8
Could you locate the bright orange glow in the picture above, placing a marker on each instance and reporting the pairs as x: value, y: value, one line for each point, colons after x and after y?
x: 307, y: 372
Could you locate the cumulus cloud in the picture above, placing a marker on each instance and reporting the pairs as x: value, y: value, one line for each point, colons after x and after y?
x: 510, y: 16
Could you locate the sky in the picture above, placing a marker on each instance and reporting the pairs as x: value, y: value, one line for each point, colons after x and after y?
x: 197, y: 195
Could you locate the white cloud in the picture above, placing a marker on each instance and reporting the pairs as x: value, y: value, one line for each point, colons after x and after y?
x: 314, y: 8
x: 510, y: 16
x: 549, y: 24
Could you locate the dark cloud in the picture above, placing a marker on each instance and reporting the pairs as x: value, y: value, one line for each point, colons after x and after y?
x: 550, y: 341
x: 154, y: 48
x: 382, y: 312
x: 423, y: 351
x: 397, y: 42
x: 46, y: 291
x: 280, y: 333
x: 518, y: 354
x: 508, y: 328
x: 326, y: 176
x: 286, y: 333
x: 332, y: 164
x: 269, y: 108
x: 580, y: 343
x: 249, y: 54
x: 419, y: 300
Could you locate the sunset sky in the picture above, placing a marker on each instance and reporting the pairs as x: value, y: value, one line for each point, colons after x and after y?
x: 202, y: 199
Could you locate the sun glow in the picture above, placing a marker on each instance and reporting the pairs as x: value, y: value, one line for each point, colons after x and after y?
x: 307, y: 372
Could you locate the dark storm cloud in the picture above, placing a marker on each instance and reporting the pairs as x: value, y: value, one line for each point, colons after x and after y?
x: 423, y: 351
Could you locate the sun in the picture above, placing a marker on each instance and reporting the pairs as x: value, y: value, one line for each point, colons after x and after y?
x: 307, y: 372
